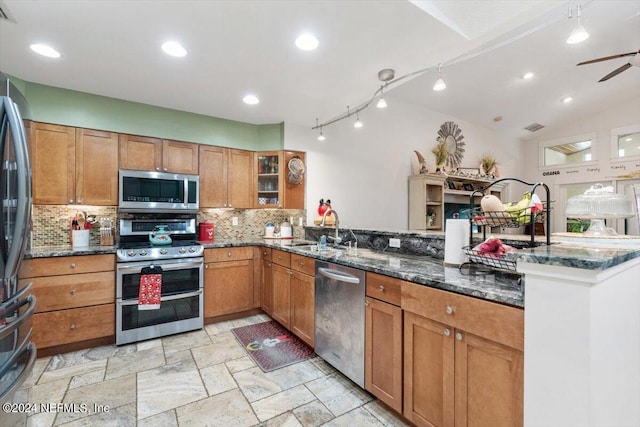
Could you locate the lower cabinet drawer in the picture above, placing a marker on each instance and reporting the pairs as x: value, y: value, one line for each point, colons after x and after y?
x: 73, y: 325
x: 228, y: 254
x: 79, y: 290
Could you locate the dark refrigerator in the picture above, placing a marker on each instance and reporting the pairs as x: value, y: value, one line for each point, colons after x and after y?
x: 17, y: 351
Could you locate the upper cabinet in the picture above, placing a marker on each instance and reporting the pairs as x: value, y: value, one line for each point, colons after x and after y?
x: 154, y: 154
x: 226, y: 177
x: 278, y: 186
x: 96, y: 167
x: 73, y: 166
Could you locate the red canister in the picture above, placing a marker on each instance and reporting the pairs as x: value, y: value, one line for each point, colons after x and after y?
x: 206, y: 232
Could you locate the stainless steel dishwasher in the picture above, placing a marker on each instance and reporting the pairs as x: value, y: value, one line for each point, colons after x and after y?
x: 340, y: 297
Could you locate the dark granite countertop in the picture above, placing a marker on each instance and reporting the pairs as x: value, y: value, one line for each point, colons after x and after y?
x: 498, y: 286
x: 591, y: 257
x: 68, y: 250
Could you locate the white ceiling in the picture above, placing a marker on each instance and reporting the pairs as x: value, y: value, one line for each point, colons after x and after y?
x: 112, y: 48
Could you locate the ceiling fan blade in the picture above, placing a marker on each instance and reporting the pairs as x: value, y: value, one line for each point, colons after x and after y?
x: 615, y: 72
x: 606, y: 58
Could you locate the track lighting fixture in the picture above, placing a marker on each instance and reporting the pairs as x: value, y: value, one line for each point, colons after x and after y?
x: 321, y: 136
x: 440, y: 84
x: 381, y: 102
x: 579, y: 34
x: 388, y: 78
x: 358, y: 123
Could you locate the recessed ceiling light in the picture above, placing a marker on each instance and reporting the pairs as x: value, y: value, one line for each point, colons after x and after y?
x: 628, y: 139
x: 251, y: 99
x: 174, y: 49
x: 307, y: 41
x: 527, y: 76
x: 44, y: 50
x: 567, y: 99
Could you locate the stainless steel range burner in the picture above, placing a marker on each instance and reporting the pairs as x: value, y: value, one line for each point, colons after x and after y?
x: 135, y: 245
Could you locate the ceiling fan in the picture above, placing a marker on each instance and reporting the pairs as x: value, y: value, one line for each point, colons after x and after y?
x: 634, y: 61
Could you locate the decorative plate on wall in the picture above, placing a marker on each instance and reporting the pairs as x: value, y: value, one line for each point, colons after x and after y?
x: 452, y: 137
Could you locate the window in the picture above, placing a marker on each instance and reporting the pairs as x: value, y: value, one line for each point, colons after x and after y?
x: 567, y: 151
x: 625, y: 143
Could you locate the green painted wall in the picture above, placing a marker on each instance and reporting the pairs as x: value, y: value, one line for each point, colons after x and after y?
x: 67, y: 107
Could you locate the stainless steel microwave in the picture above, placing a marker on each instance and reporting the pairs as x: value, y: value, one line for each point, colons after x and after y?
x: 148, y: 191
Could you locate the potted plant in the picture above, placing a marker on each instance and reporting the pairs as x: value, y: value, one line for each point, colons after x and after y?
x: 440, y: 153
x: 488, y: 165
x: 431, y: 217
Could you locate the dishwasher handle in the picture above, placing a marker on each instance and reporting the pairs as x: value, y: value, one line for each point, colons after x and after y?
x: 340, y: 276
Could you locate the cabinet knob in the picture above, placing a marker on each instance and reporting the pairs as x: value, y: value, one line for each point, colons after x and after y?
x: 165, y: 169
x: 70, y: 200
x: 72, y: 326
x: 449, y: 309
x: 228, y: 254
x: 72, y: 265
x: 301, y: 263
x: 366, y: 303
x: 447, y: 332
x: 381, y: 288
x: 458, y: 336
x: 158, y: 169
x: 206, y: 266
x: 80, y: 201
x: 72, y: 292
x: 269, y: 264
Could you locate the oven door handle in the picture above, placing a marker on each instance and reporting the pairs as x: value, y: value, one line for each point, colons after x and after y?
x: 176, y: 266
x: 167, y: 298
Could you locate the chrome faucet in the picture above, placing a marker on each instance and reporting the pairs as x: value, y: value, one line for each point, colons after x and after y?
x: 337, y: 238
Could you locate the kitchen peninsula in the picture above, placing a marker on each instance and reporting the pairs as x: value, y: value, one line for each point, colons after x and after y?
x: 563, y: 285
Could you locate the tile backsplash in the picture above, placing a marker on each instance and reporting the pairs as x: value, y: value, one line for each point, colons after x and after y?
x: 50, y: 223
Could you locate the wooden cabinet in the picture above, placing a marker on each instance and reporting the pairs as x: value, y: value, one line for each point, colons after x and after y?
x: 274, y: 186
x: 303, y: 291
x: 293, y: 293
x: 229, y: 281
x: 383, y: 340
x: 226, y: 177
x: 73, y: 166
x: 96, y: 167
x: 266, y: 280
x: 426, y: 200
x: 433, y: 198
x: 463, y: 360
x: 281, y: 282
x: 154, y: 154
x: 76, y: 298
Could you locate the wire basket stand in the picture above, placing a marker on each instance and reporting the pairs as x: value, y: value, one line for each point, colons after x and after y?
x: 505, y: 219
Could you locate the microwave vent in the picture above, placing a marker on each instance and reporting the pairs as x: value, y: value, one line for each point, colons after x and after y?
x: 534, y: 127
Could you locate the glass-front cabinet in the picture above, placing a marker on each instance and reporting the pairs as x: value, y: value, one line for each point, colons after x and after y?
x: 269, y: 190
x: 280, y: 179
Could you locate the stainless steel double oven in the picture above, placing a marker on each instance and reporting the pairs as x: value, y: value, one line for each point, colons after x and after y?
x: 181, y: 307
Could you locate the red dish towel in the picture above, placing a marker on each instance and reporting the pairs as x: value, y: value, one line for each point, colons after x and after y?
x: 150, y: 288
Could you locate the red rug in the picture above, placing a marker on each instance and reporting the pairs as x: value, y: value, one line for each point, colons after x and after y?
x: 271, y: 346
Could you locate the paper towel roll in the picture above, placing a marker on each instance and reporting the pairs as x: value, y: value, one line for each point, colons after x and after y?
x: 456, y: 236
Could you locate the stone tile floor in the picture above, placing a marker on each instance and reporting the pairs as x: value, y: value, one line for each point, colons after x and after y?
x: 200, y: 378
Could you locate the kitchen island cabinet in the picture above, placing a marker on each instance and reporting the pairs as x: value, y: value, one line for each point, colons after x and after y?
x: 73, y: 166
x: 76, y: 301
x: 463, y: 360
x: 229, y: 281
x: 226, y: 177
x: 383, y: 340
x: 155, y: 154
